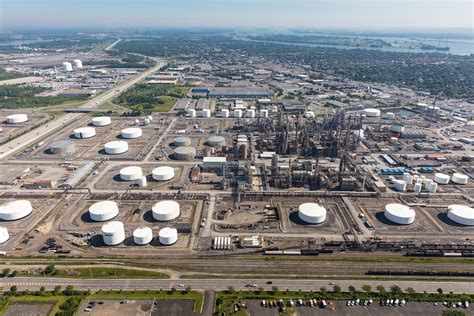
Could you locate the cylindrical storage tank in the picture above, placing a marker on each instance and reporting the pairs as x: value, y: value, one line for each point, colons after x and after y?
x: 17, y: 118
x: 142, y: 182
x: 184, y: 153
x: 225, y: 113
x: 4, y: 236
x: 397, y: 128
x: 312, y: 213
x: 441, y: 178
x: 164, y: 211
x: 113, y: 233
x: 131, y: 132
x: 192, y: 113
x: 421, y: 106
x: 168, y: 236
x: 399, y: 214
x: 389, y: 116
x: 131, y: 173
x: 427, y: 182
x: 372, y: 112
x: 206, y: 113
x: 103, y: 211
x: 238, y: 113
x: 162, y: 173
x: 149, y: 117
x: 432, y: 187
x: 101, y: 121
x: 84, y: 132
x: 216, y: 141
x: 250, y: 113
x: 62, y: 147
x: 142, y: 235
x: 460, y: 178
x: 461, y: 214
x: 137, y: 121
x: 418, y: 187
x: 399, y: 185
x: 182, y: 141
x: 263, y: 113
x: 15, y: 210
x: 408, y: 179
x: 116, y: 147
x: 77, y: 63
x: 67, y: 66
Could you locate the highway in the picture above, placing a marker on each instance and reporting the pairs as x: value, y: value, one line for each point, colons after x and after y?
x: 35, y: 283
x: 43, y: 130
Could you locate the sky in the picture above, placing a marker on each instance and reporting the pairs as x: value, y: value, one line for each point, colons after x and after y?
x: 340, y: 14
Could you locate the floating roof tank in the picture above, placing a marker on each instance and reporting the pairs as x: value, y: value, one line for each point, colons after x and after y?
x: 142, y: 235
x: 441, y: 178
x: 116, y: 147
x: 17, y: 118
x: 460, y: 178
x: 162, y: 173
x: 101, y: 121
x: 14, y: 210
x: 216, y: 141
x: 372, y: 112
x: 182, y: 141
x: 461, y: 214
x: 131, y: 132
x: 103, y: 211
x: 165, y: 210
x: 312, y: 213
x: 168, y: 236
x: 67, y: 66
x: 184, y: 153
x: 77, y: 63
x: 113, y: 233
x: 399, y: 214
x: 62, y: 147
x: 4, y: 236
x: 399, y: 185
x: 131, y: 173
x: 84, y: 132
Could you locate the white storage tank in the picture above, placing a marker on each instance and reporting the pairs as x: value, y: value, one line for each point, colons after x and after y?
x: 14, y: 210
x: 164, y: 211
x: 142, y: 182
x: 116, y: 147
x: 441, y: 178
x: 421, y: 106
x: 168, y: 236
x: 460, y: 178
x: 372, y: 112
x: 192, y: 113
x: 62, y: 147
x: 67, y: 66
x: 17, y: 118
x: 312, y: 213
x: 216, y: 141
x: 418, y: 187
x: 84, y: 132
x: 113, y: 233
x: 162, y: 173
x: 263, y: 113
x: 238, y: 113
x: 103, y: 211
x: 4, y: 236
x: 184, y: 153
x: 397, y: 128
x: 77, y: 63
x: 399, y: 214
x: 206, y: 113
x: 399, y: 185
x: 101, y: 121
x: 182, y: 141
x: 131, y: 132
x: 142, y: 235
x: 251, y: 113
x: 225, y: 113
x: 389, y: 116
x: 131, y: 173
x: 461, y: 214
x: 432, y: 187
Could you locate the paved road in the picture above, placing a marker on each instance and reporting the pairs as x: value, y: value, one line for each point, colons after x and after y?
x: 215, y: 284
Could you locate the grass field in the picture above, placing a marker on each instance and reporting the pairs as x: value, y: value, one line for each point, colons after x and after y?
x: 106, y: 273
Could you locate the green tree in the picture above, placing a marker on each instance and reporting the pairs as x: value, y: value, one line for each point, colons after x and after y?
x: 440, y: 290
x: 49, y: 269
x: 381, y: 289
x: 395, y: 289
x: 230, y: 289
x: 13, y: 290
x: 410, y: 290
x: 5, y: 272
x: 69, y: 291
x: 366, y: 288
x: 336, y: 289
x: 352, y: 289
x: 57, y: 289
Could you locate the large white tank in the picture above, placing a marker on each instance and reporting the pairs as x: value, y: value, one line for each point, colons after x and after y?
x: 182, y: 141
x: 142, y: 235
x: 101, y: 121
x: 372, y: 112
x: 421, y: 106
x: 4, y: 236
x: 461, y: 214
x: 103, y: 211
x: 225, y: 113
x: 399, y: 185
x: 17, y: 118
x: 312, y: 213
x: 441, y: 178
x: 216, y: 141
x: 168, y: 236
x: 14, y: 210
x: 116, y: 147
x: 399, y: 214
x: 417, y: 188
x: 192, y: 113
x: 67, y: 66
x: 131, y: 132
x: 432, y: 187
x: 131, y: 173
x: 77, y: 63
x: 206, y: 113
x: 62, y: 147
x: 238, y: 113
x: 251, y: 113
x: 84, y: 132
x: 184, y: 153
x: 408, y: 178
x: 113, y: 233
x: 397, y: 128
x: 162, y: 173
x: 165, y: 211
x: 263, y: 113
x: 460, y: 178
